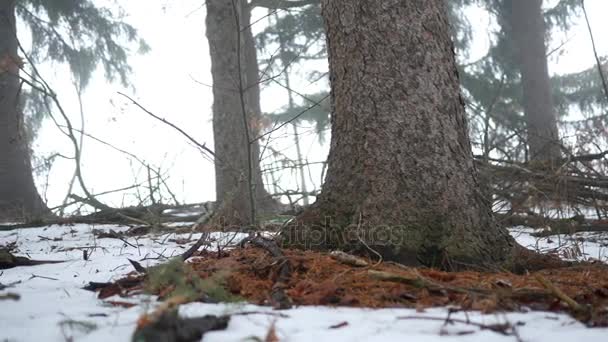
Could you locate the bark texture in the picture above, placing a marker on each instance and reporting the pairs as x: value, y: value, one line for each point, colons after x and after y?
x: 19, y: 198
x: 400, y: 170
x: 528, y: 33
x: 231, y: 144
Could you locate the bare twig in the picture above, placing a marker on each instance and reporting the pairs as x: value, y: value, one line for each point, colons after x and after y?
x: 48, y: 92
x: 597, y: 59
x: 166, y: 122
x: 295, y: 117
x: 503, y: 329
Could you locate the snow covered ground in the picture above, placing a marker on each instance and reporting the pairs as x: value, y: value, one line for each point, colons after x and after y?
x: 586, y: 246
x: 52, y: 305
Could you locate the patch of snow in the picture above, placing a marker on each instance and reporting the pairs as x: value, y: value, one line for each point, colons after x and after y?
x: 9, y: 223
x: 183, y: 213
x: 197, y: 210
x: 179, y: 224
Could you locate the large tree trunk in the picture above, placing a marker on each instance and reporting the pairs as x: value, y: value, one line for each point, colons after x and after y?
x: 18, y: 196
x: 400, y: 171
x: 229, y: 128
x: 528, y: 34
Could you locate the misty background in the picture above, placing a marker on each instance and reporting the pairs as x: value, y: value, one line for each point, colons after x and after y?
x: 173, y: 81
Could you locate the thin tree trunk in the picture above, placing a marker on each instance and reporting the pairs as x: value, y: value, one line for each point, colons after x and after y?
x: 528, y: 30
x: 300, y: 161
x: 265, y: 204
x: 19, y: 198
x: 401, y: 179
x: 231, y: 145
x: 285, y: 61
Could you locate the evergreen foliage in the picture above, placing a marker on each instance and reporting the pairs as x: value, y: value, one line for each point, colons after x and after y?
x: 177, y: 278
x: 302, y: 36
x: 491, y: 84
x: 81, y: 34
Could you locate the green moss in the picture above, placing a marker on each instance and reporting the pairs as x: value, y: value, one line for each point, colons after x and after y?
x: 184, y: 281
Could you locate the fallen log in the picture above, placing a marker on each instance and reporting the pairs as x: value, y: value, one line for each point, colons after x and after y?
x: 550, y: 226
x: 8, y: 260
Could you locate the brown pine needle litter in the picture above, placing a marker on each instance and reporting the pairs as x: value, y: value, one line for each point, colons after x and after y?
x: 322, y: 279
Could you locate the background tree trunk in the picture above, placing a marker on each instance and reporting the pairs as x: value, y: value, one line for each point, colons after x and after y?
x: 528, y: 34
x: 265, y: 204
x: 400, y: 161
x: 19, y: 198
x: 231, y: 144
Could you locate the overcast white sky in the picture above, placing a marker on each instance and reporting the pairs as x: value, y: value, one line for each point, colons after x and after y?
x: 162, y: 82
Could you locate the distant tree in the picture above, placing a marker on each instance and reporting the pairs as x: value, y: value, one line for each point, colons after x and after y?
x: 293, y: 38
x: 400, y: 169
x: 511, y: 96
x: 493, y: 84
x: 236, y: 113
x: 78, y: 33
x: 526, y: 28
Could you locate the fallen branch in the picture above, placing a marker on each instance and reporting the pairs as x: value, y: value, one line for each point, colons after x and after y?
x: 570, y: 182
x: 201, y: 241
x: 348, y: 259
x: 8, y: 260
x: 419, y: 281
x: 278, y: 297
x: 147, y: 216
x: 137, y: 266
x: 551, y: 226
x: 574, y: 306
x: 10, y: 296
x: 112, y: 234
x: 598, y: 227
x: 501, y: 328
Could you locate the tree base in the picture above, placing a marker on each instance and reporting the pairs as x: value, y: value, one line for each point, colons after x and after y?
x: 314, y: 230
x: 13, y: 214
x: 235, y: 214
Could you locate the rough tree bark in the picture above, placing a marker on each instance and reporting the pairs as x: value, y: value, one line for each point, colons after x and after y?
x: 231, y: 145
x: 528, y: 34
x: 400, y: 176
x: 19, y: 198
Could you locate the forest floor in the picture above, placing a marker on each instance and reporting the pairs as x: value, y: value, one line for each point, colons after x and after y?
x: 335, y: 298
